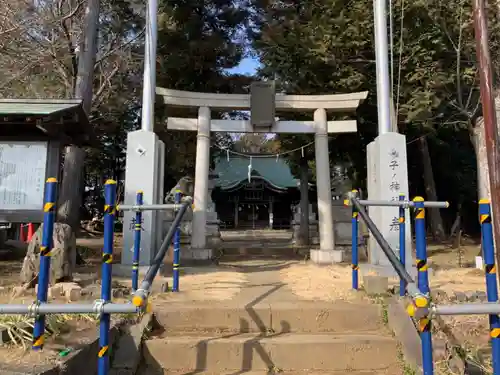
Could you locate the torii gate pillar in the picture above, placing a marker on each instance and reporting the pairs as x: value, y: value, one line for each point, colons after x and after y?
x: 199, y: 233
x: 327, y: 252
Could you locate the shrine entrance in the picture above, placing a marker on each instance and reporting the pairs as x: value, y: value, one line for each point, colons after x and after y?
x: 254, y: 205
x: 144, y: 148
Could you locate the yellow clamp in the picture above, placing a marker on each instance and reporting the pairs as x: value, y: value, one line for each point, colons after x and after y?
x: 419, y: 302
x: 140, y: 302
x: 410, y: 309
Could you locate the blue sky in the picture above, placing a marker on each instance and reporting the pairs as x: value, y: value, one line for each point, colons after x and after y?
x: 247, y: 66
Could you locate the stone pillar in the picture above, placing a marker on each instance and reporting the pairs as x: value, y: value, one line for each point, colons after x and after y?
x: 199, y: 234
x: 387, y: 178
x: 144, y: 171
x: 326, y: 253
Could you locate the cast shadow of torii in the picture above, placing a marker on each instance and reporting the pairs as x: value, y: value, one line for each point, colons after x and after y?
x: 249, y: 345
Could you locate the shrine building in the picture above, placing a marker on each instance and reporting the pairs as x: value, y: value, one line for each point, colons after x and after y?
x: 256, y: 194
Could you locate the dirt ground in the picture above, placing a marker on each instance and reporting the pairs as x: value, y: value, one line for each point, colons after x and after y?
x: 213, y: 285
x: 311, y: 282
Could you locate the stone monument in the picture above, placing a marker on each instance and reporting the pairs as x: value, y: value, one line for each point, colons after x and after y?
x: 213, y: 233
x: 63, y: 255
x: 186, y: 185
x: 387, y: 179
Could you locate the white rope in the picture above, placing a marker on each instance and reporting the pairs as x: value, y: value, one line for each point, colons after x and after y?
x: 277, y: 155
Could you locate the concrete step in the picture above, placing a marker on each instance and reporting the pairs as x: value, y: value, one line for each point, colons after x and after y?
x: 282, y: 352
x: 258, y: 249
x: 280, y: 317
x: 261, y: 257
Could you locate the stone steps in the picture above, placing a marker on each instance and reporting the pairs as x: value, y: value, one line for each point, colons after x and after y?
x: 303, y: 317
x: 279, y: 337
x: 259, y: 249
x: 389, y: 371
x: 279, y: 352
x: 267, y: 329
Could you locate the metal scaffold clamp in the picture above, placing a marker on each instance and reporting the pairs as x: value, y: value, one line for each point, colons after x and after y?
x: 99, y: 306
x: 33, y: 309
x: 140, y: 300
x: 349, y: 197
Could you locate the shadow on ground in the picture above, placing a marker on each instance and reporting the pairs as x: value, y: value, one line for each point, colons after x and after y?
x: 251, y: 347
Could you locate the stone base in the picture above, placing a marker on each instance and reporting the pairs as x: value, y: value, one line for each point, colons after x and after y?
x: 125, y: 270
x: 388, y: 271
x: 375, y: 285
x: 319, y: 256
x: 189, y: 254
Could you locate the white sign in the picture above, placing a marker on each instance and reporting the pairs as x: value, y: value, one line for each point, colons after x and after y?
x: 22, y: 175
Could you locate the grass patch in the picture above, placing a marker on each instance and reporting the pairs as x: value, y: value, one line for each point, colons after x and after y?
x: 19, y: 328
x: 407, y: 368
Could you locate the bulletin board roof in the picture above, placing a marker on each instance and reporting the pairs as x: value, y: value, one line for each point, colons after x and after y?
x: 62, y: 119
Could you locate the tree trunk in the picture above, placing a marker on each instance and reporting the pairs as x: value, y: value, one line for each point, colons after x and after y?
x: 70, y: 197
x: 303, y: 239
x: 436, y: 221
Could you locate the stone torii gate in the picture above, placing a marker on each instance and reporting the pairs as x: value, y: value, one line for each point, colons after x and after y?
x: 146, y: 154
x: 320, y: 104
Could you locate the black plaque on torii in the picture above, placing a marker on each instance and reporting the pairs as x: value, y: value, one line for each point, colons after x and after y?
x: 262, y: 104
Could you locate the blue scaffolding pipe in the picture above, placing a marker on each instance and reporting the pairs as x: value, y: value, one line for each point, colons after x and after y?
x: 140, y: 295
x: 411, y: 287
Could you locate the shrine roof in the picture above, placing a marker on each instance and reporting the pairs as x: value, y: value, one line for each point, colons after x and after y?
x: 62, y: 119
x: 275, y: 171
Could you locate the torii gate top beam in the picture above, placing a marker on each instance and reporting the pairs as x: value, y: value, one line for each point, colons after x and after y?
x: 331, y: 103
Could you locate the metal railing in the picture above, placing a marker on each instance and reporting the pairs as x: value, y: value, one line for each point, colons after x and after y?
x: 421, y: 308
x: 104, y: 307
x: 181, y: 204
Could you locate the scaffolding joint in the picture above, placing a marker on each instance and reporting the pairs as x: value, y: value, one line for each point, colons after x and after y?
x: 33, y: 309
x: 99, y: 306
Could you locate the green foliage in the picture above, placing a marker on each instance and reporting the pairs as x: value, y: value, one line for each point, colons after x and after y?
x: 324, y: 47
x: 257, y: 143
x: 197, y: 41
